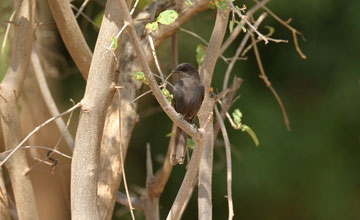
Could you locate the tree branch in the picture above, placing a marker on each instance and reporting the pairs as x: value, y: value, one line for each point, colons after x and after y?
x: 98, y: 93
x: 10, y: 90
x: 50, y: 103
x: 228, y: 162
x: 206, y: 73
x: 71, y: 35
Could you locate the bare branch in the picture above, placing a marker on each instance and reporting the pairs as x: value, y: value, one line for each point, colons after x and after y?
x: 244, y: 18
x: 268, y: 83
x: 228, y: 162
x: 83, y: 5
x: 239, y: 50
x: 9, y: 110
x: 37, y: 129
x: 122, y: 159
x: 6, y: 34
x: 98, y: 94
x: 151, y: 42
x: 71, y: 34
x: 6, y: 153
x: 240, y: 26
x: 286, y: 24
x: 202, y: 40
x: 50, y: 103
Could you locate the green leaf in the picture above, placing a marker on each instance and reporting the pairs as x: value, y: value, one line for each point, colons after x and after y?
x: 167, y: 94
x: 191, y: 143
x: 237, y: 115
x: 200, y: 53
x: 271, y: 30
x: 231, y: 26
x: 152, y: 26
x: 189, y: 3
x: 222, y: 4
x: 115, y: 43
x: 167, y: 17
x: 169, y: 134
x: 140, y: 76
x: 251, y: 133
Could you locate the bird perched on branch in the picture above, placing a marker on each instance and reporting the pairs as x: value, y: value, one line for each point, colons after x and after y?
x: 188, y: 97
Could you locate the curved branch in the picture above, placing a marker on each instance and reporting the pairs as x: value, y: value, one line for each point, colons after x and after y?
x: 49, y: 101
x: 71, y: 34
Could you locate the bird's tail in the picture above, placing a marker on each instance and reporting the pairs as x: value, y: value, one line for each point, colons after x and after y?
x: 179, y: 150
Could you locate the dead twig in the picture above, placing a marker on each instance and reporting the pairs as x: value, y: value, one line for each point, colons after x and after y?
x: 122, y: 158
x: 268, y: 83
x: 239, y: 50
x: 49, y: 101
x: 37, y: 129
x: 286, y: 24
x: 228, y: 162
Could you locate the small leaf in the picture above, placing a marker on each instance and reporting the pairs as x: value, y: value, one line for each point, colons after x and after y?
x: 189, y: 3
x: 237, y: 115
x: 140, y: 76
x: 271, y: 30
x: 115, y: 43
x: 169, y: 134
x: 231, y: 26
x: 152, y: 26
x: 243, y: 28
x: 200, y: 53
x: 167, y: 17
x: 191, y: 143
x: 167, y: 95
x: 251, y: 133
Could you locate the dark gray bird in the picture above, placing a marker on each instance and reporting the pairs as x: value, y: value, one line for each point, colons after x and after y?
x: 188, y: 97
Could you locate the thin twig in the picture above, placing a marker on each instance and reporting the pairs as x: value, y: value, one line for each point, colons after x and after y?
x: 117, y: 36
x: 37, y: 129
x: 151, y: 42
x: 48, y: 156
x: 122, y: 159
x: 134, y: 7
x: 149, y: 91
x: 244, y: 17
x: 286, y: 24
x: 258, y: 40
x: 85, y: 16
x: 228, y: 162
x: 162, y: 176
x: 239, y: 50
x: 49, y: 101
x: 268, y: 83
x: 226, y: 60
x: 83, y: 5
x: 6, y: 153
x: 6, y: 34
x: 237, y: 30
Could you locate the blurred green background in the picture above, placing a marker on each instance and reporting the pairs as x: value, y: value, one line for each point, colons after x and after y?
x: 311, y: 172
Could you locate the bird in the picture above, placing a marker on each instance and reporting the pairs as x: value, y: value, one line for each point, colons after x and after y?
x: 188, y: 96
